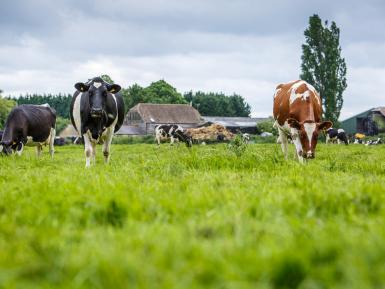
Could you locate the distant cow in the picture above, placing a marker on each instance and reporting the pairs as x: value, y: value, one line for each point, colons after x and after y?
x: 297, y: 112
x: 245, y: 138
x: 174, y: 132
x: 333, y: 134
x: 374, y: 142
x: 29, y: 125
x: 97, y: 111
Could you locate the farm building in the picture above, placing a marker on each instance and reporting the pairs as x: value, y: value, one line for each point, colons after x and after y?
x: 236, y: 124
x: 370, y: 122
x: 143, y: 117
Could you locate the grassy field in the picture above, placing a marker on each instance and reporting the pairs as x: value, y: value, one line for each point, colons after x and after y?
x: 173, y: 218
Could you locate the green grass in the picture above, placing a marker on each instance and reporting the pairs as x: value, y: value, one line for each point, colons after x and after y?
x: 174, y: 218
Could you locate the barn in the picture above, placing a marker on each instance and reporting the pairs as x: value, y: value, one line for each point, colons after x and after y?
x: 370, y: 122
x: 143, y: 117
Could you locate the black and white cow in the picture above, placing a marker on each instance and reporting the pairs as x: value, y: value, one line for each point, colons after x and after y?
x: 333, y: 134
x: 29, y: 125
x: 173, y: 132
x: 97, y: 111
x: 374, y: 142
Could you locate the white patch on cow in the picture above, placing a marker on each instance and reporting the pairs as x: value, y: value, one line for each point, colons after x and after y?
x: 110, y: 115
x: 76, y: 113
x: 304, y: 96
x: 1, y: 148
x: 309, y: 129
x: 97, y: 84
x: 340, y: 130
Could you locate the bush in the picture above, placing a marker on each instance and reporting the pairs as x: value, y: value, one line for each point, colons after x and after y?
x: 237, y: 146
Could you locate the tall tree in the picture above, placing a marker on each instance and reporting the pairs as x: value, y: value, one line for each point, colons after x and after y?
x: 323, y: 66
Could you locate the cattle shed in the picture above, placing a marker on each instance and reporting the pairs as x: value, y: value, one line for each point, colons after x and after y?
x: 143, y: 117
x: 370, y: 122
x: 236, y: 124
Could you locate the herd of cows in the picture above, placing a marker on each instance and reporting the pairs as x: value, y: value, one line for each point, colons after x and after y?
x: 97, y: 112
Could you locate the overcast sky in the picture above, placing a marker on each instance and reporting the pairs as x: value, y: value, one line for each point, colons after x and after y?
x: 243, y: 46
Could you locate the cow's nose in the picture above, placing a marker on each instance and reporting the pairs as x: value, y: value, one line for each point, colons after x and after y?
x: 310, y: 155
x: 96, y: 112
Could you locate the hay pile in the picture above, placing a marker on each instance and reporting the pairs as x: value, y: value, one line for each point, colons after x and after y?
x: 213, y: 132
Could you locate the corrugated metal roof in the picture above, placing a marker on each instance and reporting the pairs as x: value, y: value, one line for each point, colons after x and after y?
x: 234, y: 121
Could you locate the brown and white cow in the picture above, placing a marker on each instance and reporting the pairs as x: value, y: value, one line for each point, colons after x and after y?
x: 297, y: 113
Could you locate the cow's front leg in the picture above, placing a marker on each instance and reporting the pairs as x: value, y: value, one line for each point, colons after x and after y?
x: 87, y: 149
x: 172, y: 140
x: 283, y: 139
x: 298, y: 145
x: 93, y: 155
x: 157, y: 139
x: 107, y: 144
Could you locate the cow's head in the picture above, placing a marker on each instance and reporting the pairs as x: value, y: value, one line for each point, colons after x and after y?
x: 97, y: 90
x: 187, y: 139
x: 305, y: 135
x: 6, y: 147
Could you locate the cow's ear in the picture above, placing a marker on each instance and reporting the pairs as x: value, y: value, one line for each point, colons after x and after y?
x: 81, y: 86
x: 325, y: 125
x: 293, y: 123
x: 113, y: 88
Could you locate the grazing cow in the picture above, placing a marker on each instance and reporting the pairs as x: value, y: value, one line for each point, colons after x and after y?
x: 97, y: 111
x: 29, y: 125
x: 297, y: 112
x: 374, y: 142
x: 333, y: 134
x: 173, y: 132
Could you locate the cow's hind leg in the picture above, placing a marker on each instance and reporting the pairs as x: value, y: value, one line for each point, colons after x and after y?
x: 107, y: 144
x: 283, y: 139
x: 87, y: 149
x: 93, y: 155
x: 51, y: 142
